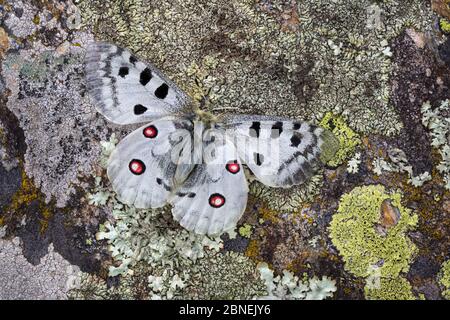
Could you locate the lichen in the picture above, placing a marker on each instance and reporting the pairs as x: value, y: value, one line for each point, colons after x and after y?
x: 245, y: 230
x: 287, y: 200
x: 61, y: 128
x: 289, y: 286
x: 301, y: 66
x: 390, y: 289
x: 444, y: 279
x: 353, y: 231
x: 227, y: 275
x: 398, y: 162
x: 437, y: 121
x: 354, y: 163
x: 445, y: 25
x: 348, y: 139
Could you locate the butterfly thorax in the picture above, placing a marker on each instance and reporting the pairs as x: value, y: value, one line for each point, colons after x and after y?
x: 206, y: 117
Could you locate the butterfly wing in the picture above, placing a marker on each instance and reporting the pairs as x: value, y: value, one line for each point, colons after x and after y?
x: 126, y: 90
x: 214, y: 196
x: 279, y: 151
x: 144, y: 168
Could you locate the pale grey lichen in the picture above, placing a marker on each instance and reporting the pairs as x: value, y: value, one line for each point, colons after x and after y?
x: 6, y: 160
x: 398, y: 162
x: 61, y: 128
x: 289, y: 286
x: 227, y: 275
x: 52, y: 278
x: 354, y: 163
x: 438, y: 121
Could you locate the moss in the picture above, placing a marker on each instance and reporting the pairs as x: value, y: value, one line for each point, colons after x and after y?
x: 348, y: 139
x: 391, y: 289
x: 444, y: 279
x: 354, y: 231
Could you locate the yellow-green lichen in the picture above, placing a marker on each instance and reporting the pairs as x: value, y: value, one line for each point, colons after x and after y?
x: 444, y: 279
x: 246, y: 230
x: 354, y: 232
x: 396, y: 288
x: 445, y: 25
x: 22, y: 199
x: 369, y: 230
x: 348, y: 139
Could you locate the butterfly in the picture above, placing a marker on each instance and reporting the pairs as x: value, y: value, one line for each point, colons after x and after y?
x: 188, y: 157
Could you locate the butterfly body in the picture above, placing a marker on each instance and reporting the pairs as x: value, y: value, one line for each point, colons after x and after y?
x: 186, y: 156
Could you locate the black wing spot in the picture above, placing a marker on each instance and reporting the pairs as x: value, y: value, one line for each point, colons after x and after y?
x: 133, y: 60
x: 258, y: 158
x: 296, y: 125
x: 296, y: 139
x: 309, y: 150
x: 162, y: 91
x: 139, y: 109
x: 146, y: 76
x: 277, y: 129
x: 160, y: 182
x: 255, y: 129
x: 191, y: 195
x: 123, y: 71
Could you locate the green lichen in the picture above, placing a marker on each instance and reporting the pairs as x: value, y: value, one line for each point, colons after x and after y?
x: 353, y: 231
x: 246, y: 230
x: 282, y: 58
x: 390, y: 289
x: 444, y: 279
x: 445, y: 25
x: 348, y: 139
x: 379, y: 255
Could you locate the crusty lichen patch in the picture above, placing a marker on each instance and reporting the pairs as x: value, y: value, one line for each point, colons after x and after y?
x: 354, y: 231
x: 444, y: 279
x: 324, y: 60
x: 369, y: 230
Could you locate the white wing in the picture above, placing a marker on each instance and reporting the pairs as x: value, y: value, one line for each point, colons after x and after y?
x: 281, y: 152
x: 126, y: 90
x: 143, y: 169
x: 214, y: 196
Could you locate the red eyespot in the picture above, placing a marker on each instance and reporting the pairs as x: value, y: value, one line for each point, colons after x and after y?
x: 216, y: 200
x: 137, y: 167
x: 150, y: 132
x: 233, y: 167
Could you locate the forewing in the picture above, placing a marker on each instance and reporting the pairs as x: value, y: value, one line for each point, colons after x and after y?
x: 214, y: 196
x: 126, y: 90
x: 281, y: 152
x: 143, y: 167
